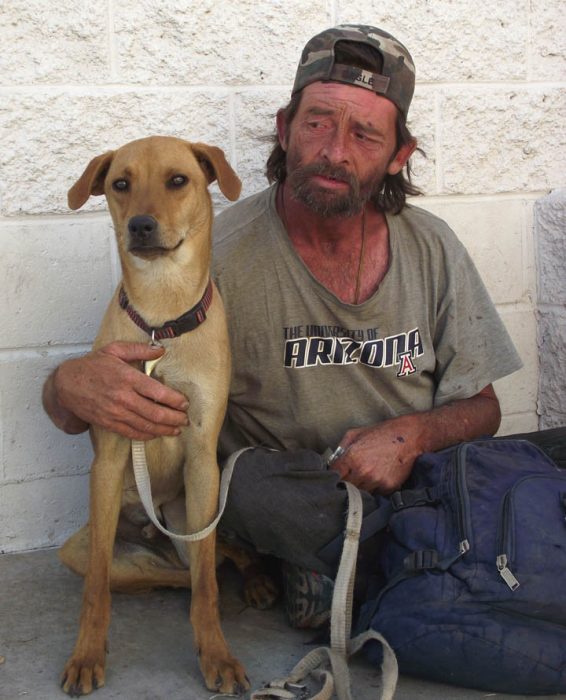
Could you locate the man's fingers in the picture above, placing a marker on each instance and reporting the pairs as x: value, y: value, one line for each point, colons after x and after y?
x: 134, y: 384
x: 147, y: 430
x: 342, y: 466
x: 144, y: 414
x: 130, y: 433
x: 134, y: 434
x: 350, y: 438
x: 103, y: 388
x: 153, y: 414
x: 130, y: 352
x: 134, y: 427
x: 160, y: 393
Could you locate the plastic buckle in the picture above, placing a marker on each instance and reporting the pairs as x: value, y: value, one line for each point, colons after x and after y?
x: 421, y: 560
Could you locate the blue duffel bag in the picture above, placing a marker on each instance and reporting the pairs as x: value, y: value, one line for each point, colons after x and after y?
x: 472, y: 570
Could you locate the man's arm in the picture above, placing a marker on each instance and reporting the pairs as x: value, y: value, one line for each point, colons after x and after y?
x: 103, y: 389
x: 381, y: 457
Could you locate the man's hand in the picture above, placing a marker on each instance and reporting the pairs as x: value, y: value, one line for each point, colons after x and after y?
x: 103, y: 389
x: 380, y: 457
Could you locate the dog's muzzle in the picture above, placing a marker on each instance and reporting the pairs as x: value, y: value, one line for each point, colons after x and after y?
x: 144, y: 232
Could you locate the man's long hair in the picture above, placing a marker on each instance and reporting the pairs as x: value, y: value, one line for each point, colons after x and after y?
x: 396, y: 188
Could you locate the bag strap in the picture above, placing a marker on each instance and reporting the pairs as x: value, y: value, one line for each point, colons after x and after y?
x: 378, y: 519
x: 372, y: 523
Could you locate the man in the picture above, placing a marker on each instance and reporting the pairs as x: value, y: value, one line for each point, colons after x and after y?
x: 356, y: 320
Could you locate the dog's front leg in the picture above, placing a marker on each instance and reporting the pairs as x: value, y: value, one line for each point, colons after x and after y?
x: 84, y: 671
x: 220, y: 669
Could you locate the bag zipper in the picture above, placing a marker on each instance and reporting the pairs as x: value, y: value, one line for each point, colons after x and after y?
x: 506, y: 545
x: 463, y: 512
x: 505, y: 572
x: 506, y: 539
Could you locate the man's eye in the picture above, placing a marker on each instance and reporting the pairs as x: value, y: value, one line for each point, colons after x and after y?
x: 121, y: 185
x: 366, y: 140
x: 177, y: 181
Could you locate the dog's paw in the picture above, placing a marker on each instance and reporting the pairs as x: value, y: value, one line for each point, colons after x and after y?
x: 224, y: 675
x: 82, y: 675
x: 260, y: 591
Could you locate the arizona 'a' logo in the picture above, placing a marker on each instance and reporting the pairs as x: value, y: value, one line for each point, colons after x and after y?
x: 406, y: 365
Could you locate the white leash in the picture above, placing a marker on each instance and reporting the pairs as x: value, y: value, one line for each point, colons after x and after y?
x: 141, y: 475
x: 337, y: 677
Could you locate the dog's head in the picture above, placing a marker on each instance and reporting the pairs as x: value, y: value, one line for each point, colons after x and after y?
x: 157, y: 191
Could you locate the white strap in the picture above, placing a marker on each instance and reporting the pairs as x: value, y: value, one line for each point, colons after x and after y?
x: 141, y: 475
x: 342, y: 647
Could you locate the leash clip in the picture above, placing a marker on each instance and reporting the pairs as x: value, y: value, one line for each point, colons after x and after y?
x: 149, y: 365
x: 155, y: 341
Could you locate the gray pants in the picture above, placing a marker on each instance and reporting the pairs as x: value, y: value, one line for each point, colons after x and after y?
x: 287, y: 504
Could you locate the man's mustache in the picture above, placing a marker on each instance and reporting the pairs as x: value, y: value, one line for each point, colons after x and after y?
x: 330, y: 171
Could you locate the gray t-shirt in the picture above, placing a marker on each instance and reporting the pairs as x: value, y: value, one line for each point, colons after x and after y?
x: 307, y: 367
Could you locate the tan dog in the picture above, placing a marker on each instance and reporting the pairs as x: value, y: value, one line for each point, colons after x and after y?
x: 157, y: 193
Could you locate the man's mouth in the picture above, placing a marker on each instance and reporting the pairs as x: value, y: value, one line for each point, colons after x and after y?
x: 329, y: 177
x: 330, y: 182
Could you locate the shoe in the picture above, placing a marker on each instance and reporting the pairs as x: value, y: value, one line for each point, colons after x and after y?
x: 307, y: 597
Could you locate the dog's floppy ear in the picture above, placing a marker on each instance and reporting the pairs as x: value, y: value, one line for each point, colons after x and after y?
x: 91, y: 181
x: 213, y: 161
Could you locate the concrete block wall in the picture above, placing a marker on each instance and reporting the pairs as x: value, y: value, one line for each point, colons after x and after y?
x: 77, y: 79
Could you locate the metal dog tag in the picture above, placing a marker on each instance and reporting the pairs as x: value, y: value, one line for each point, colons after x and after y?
x: 149, y: 365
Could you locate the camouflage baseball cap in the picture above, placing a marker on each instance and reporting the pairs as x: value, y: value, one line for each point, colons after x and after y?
x: 396, y: 80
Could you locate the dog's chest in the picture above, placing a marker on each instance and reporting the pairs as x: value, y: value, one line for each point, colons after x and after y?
x: 175, y: 368
x: 165, y: 456
x: 191, y: 379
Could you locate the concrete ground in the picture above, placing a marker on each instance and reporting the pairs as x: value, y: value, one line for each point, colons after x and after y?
x: 150, y: 656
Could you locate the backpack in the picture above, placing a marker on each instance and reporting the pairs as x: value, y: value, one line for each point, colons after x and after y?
x: 472, y: 569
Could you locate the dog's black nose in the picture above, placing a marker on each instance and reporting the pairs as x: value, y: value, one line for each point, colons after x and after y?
x: 142, y: 228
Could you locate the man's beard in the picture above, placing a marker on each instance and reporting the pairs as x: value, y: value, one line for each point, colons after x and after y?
x: 326, y: 202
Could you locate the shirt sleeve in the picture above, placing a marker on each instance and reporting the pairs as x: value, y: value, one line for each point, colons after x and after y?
x: 472, y: 346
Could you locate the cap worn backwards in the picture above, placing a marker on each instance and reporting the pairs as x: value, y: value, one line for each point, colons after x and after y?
x: 396, y: 79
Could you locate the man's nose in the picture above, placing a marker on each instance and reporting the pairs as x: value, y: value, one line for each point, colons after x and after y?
x: 335, y: 150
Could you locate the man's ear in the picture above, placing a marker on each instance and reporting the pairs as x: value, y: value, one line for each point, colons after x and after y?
x: 401, y: 157
x: 91, y: 181
x: 282, y: 129
x: 215, y: 166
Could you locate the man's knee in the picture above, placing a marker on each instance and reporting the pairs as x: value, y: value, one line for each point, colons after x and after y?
x: 287, y: 504
x: 265, y: 479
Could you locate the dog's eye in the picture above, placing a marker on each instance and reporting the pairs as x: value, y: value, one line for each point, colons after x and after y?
x: 120, y: 185
x: 177, y: 181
